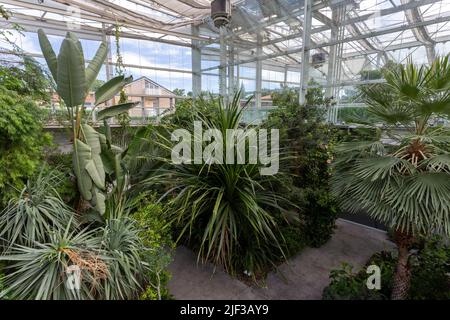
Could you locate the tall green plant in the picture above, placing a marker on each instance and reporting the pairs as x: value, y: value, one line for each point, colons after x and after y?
x: 403, y: 181
x: 227, y: 211
x: 73, y: 82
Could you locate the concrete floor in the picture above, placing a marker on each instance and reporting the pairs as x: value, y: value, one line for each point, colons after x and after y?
x: 303, y: 277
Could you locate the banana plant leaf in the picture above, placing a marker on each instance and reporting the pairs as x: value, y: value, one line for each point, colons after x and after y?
x: 98, y: 200
x: 107, y: 159
x: 49, y: 54
x: 72, y: 36
x: 81, y: 156
x: 95, y: 65
x: 111, y: 88
x: 115, y: 110
x: 120, y: 174
x: 71, y: 78
x: 94, y: 166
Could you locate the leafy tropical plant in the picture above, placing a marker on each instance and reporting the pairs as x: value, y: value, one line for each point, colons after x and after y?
x: 227, y: 211
x: 403, y: 181
x: 73, y: 83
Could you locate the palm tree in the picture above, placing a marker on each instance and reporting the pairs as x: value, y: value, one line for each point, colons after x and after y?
x: 402, y: 178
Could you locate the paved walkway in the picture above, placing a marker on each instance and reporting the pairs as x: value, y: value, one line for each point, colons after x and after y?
x: 303, y: 277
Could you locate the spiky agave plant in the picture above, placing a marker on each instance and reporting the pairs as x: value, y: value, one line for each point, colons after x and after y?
x: 35, y: 213
x: 225, y: 210
x: 402, y: 178
x: 107, y: 262
x: 42, y: 271
x: 126, y: 268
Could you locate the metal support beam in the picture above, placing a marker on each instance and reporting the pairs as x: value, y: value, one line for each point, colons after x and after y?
x: 231, y: 78
x: 332, y: 56
x: 296, y: 11
x: 108, y: 64
x: 420, y: 33
x: 258, y: 72
x: 223, y: 63
x: 304, y: 73
x: 285, y: 76
x: 156, y: 106
x: 196, y: 57
x: 97, y: 14
x: 440, y: 19
x: 238, y: 73
x: 143, y: 110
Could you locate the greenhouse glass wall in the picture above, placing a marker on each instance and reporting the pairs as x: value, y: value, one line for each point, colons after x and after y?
x: 267, y: 45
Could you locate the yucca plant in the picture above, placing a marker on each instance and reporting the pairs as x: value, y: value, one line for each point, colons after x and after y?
x: 227, y: 211
x: 93, y: 154
x: 109, y: 260
x: 35, y: 213
x: 402, y: 178
x: 124, y: 250
x: 40, y: 271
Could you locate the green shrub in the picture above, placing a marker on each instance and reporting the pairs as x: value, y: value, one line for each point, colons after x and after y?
x: 187, y: 110
x: 355, y: 134
x: 67, y: 188
x: 27, y: 80
x: 308, y: 141
x: 430, y: 267
x: 158, y: 289
x: 294, y: 238
x: 346, y: 285
x: 320, y: 214
x: 22, y: 142
x: 155, y: 234
x: 431, y: 271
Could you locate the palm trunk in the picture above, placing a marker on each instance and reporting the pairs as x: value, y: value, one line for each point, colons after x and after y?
x: 402, y: 276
